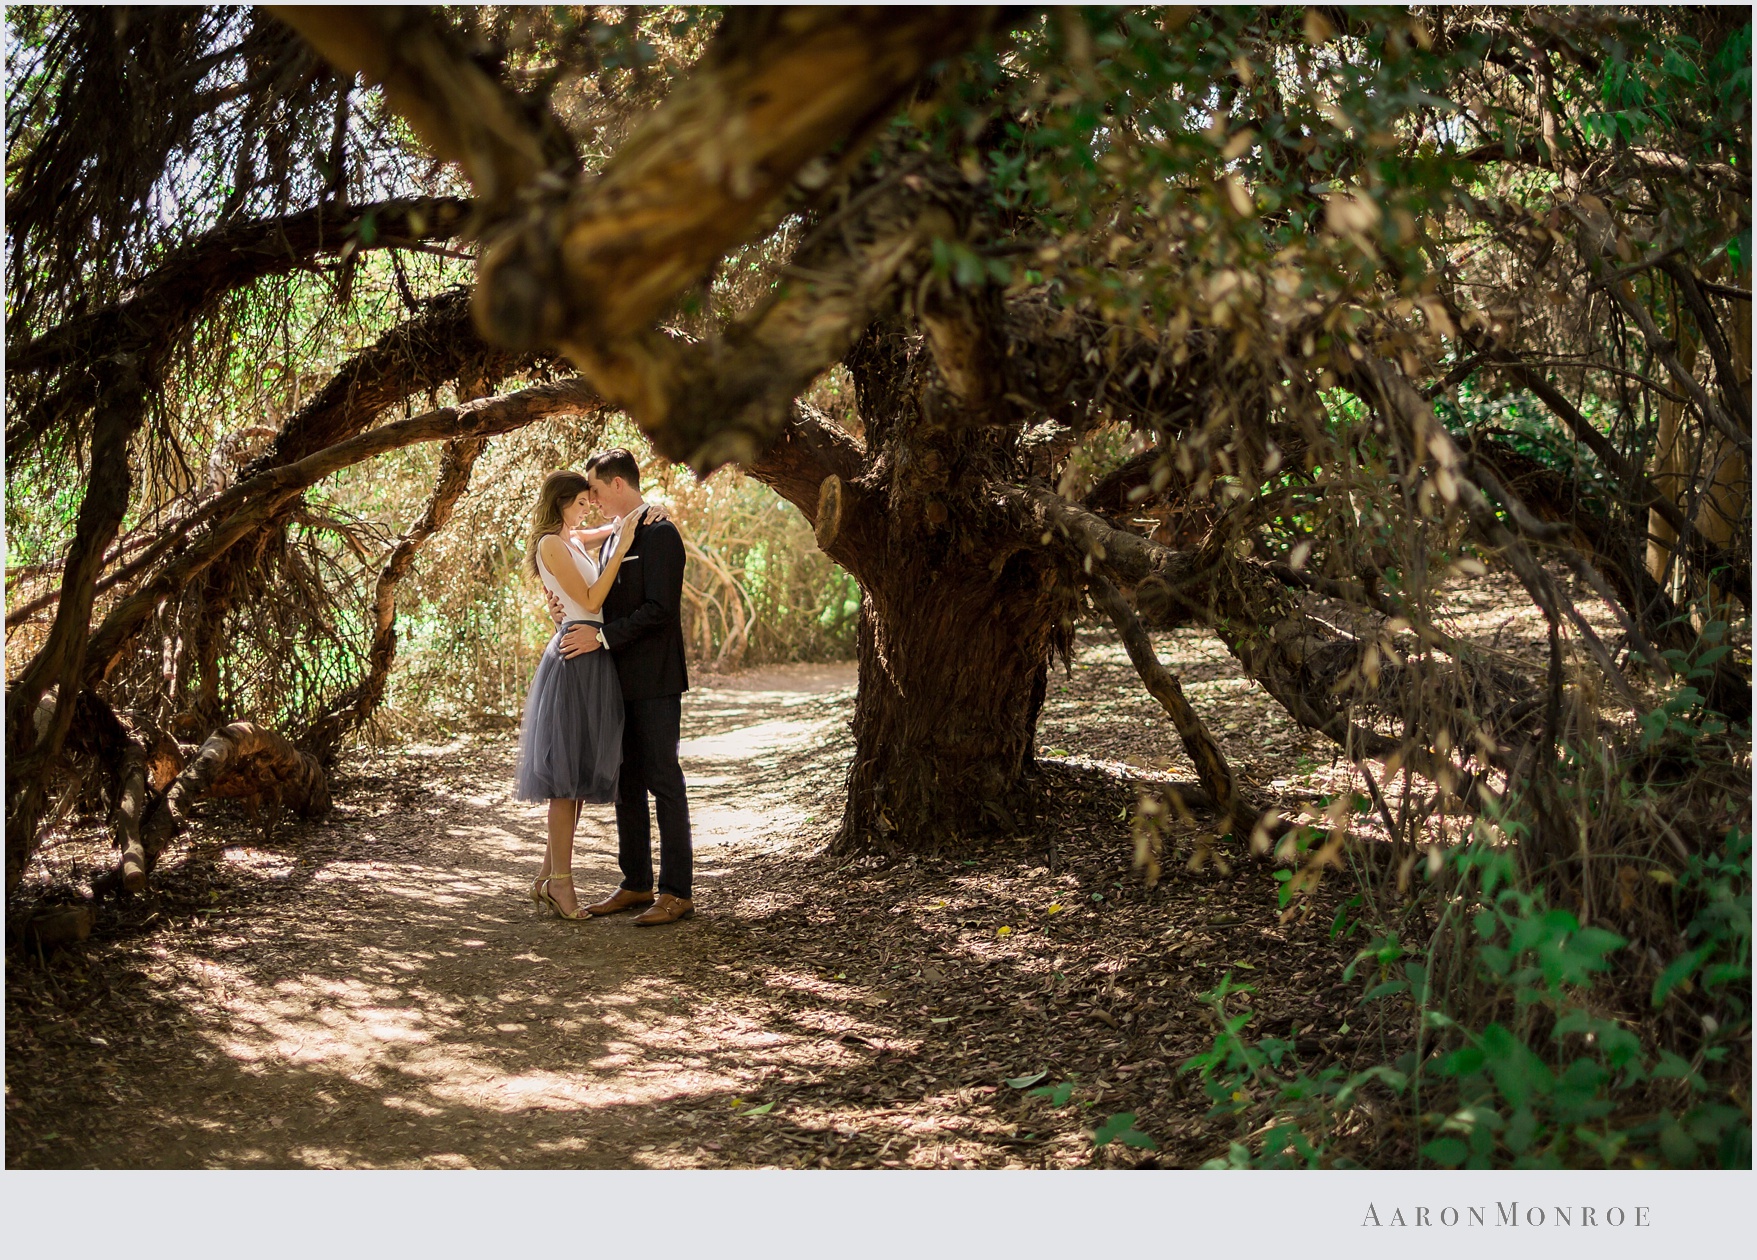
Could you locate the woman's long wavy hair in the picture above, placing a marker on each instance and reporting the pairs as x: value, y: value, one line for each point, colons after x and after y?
x: 558, y: 488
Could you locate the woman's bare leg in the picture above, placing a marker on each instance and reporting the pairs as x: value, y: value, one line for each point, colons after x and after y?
x: 563, y: 816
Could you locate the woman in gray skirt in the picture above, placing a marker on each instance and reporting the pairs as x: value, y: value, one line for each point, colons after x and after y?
x: 570, y: 745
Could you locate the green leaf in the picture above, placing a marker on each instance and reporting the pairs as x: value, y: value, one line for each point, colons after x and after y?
x: 1465, y: 1061
x: 1121, y: 1128
x: 1025, y: 1082
x: 1447, y: 1152
x: 1673, y: 1067
x: 1722, y: 973
x: 1521, y: 1130
x: 1518, y: 1073
x: 1596, y: 943
x: 1384, y: 990
x: 763, y: 1110
x: 1058, y: 1095
x: 1677, y: 1145
x: 1680, y: 970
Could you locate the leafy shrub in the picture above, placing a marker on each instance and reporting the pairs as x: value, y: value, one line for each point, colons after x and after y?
x: 1555, y: 1078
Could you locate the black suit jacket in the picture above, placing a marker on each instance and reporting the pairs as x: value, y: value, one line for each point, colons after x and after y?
x: 643, y: 617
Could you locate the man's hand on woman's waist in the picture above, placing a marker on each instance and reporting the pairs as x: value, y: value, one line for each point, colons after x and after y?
x: 580, y: 639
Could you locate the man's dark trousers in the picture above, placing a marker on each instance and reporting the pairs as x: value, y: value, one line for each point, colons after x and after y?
x: 650, y: 730
x: 643, y: 627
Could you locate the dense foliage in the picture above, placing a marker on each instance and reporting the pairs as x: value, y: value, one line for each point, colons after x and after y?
x: 1286, y: 323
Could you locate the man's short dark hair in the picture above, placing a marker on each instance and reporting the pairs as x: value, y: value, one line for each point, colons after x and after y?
x: 606, y: 466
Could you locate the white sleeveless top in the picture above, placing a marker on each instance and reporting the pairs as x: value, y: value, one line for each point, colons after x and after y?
x: 571, y: 608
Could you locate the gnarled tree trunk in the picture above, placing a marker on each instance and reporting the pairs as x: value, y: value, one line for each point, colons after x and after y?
x: 32, y: 755
x: 952, y: 662
x: 958, y: 616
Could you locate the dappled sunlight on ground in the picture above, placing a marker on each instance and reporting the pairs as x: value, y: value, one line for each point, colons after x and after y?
x: 376, y: 989
x: 404, y: 1004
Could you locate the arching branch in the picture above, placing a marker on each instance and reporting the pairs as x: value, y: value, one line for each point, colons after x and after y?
x: 231, y: 256
x: 354, y: 706
x: 1317, y: 674
x: 1595, y: 223
x: 1163, y: 685
x: 1634, y: 483
x: 257, y: 500
x: 424, y: 353
x: 434, y: 348
x: 810, y: 449
x: 592, y: 267
x: 727, y: 398
x: 50, y: 378
x: 1422, y: 437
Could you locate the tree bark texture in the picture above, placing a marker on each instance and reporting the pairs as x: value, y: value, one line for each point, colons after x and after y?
x: 61, y: 662
x: 244, y: 762
x: 958, y: 619
x: 726, y: 399
x: 952, y: 656
x: 590, y: 265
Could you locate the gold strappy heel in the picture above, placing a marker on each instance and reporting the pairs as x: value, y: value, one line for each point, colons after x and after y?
x: 556, y: 905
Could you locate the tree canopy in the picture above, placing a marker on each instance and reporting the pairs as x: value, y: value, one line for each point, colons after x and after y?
x: 1280, y: 322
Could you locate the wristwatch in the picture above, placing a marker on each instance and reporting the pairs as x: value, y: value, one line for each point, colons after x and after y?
x: 599, y: 635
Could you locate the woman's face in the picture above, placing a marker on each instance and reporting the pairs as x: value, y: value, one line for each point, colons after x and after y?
x: 574, y: 511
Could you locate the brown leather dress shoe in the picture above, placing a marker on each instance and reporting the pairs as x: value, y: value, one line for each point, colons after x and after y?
x: 620, y: 900
x: 668, y: 909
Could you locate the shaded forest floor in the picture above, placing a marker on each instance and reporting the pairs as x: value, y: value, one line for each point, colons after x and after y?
x: 375, y: 989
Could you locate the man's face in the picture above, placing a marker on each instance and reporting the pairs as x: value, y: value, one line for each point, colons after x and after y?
x: 612, y: 494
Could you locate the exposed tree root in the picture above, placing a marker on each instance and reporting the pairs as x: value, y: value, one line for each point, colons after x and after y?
x: 244, y: 762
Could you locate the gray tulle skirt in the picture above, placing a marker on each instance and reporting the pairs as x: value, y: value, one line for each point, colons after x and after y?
x: 570, y: 744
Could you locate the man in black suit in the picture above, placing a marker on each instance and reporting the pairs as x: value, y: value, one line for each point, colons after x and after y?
x: 643, y: 631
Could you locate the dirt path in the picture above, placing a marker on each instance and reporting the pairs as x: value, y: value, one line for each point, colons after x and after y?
x: 392, y: 1001
x: 376, y: 989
